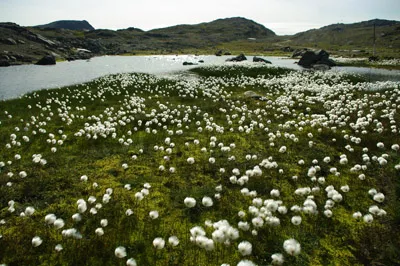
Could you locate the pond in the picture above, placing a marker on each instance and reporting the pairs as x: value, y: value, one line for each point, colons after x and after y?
x: 18, y: 80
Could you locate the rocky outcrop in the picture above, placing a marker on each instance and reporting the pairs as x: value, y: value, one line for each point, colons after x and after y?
x: 238, y: 58
x: 299, y: 52
x: 311, y: 58
x: 47, y: 60
x: 261, y: 60
x: 4, y: 63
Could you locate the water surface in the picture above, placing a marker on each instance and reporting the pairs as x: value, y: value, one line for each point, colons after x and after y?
x: 18, y: 80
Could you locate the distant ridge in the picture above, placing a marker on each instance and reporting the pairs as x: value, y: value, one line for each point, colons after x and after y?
x: 68, y: 24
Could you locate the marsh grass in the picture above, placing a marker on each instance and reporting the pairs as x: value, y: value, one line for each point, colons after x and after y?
x: 56, y: 186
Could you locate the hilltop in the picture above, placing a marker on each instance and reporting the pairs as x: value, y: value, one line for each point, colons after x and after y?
x: 68, y: 24
x: 352, y: 38
x: 66, y: 39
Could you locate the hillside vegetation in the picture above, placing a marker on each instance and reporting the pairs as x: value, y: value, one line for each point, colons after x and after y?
x: 232, y: 35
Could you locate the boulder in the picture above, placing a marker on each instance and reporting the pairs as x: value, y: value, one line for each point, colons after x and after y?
x: 253, y: 95
x: 238, y: 58
x: 321, y: 67
x: 262, y: 60
x: 188, y: 63
x: 299, y: 52
x: 47, y: 60
x: 4, y: 63
x: 311, y: 58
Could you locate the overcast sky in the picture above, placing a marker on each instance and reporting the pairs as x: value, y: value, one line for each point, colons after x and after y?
x: 281, y: 16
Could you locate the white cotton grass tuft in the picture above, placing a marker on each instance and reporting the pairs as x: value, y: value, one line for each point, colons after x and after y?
x: 36, y: 241
x: 207, y: 201
x: 159, y: 243
x: 246, y: 263
x: 245, y: 248
x: 153, y: 214
x: 292, y: 247
x: 50, y: 218
x: 59, y: 223
x: 120, y: 252
x: 29, y: 211
x: 131, y: 262
x: 99, y: 231
x: 379, y: 197
x: 58, y: 247
x: 277, y: 259
x: 173, y: 241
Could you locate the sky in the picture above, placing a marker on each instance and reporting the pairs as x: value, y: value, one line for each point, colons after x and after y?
x: 282, y: 16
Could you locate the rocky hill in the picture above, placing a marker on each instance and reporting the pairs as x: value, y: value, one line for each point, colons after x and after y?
x: 353, y: 38
x: 20, y: 45
x: 68, y: 24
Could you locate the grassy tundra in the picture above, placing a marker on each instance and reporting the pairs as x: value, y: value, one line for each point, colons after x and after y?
x: 131, y: 169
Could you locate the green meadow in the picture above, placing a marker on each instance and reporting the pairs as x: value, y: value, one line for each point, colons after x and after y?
x: 242, y: 164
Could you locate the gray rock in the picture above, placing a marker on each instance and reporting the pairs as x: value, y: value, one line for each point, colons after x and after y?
x: 299, y: 52
x: 262, y: 60
x: 47, y: 60
x: 4, y: 63
x: 238, y: 58
x: 11, y: 41
x: 188, y: 63
x: 253, y: 95
x: 321, y: 67
x: 320, y: 57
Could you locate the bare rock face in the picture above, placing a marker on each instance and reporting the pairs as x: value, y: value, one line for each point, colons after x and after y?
x: 47, y: 60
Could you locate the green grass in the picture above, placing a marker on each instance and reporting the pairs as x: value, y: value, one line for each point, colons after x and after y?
x: 125, y: 99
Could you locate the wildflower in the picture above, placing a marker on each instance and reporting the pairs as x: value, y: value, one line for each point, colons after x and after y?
x: 153, y: 215
x: 245, y: 248
x: 50, y: 218
x: 380, y: 145
x: 99, y: 231
x: 29, y: 211
x: 246, y: 263
x: 292, y: 247
x: 36, y: 241
x: 84, y: 178
x: 277, y: 259
x: 76, y: 217
x: 58, y: 247
x: 357, y: 215
x: 296, y: 220
x: 22, y: 174
x: 379, y: 197
x: 173, y: 241
x: 328, y: 213
x: 59, y: 223
x: 189, y: 202
x: 131, y: 262
x: 207, y: 202
x: 120, y: 252
x: 104, y: 222
x: 190, y: 160
x: 159, y: 243
x: 128, y: 212
x: 368, y: 218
